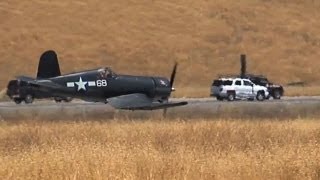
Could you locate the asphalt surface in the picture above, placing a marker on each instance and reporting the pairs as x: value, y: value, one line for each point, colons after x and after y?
x: 197, y: 108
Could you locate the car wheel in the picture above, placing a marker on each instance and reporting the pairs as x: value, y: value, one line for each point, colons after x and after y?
x: 276, y: 94
x: 219, y: 98
x: 231, y: 96
x: 260, y: 96
x: 17, y: 100
x: 28, y: 99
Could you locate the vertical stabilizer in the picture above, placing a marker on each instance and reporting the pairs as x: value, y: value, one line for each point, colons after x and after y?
x: 48, y: 65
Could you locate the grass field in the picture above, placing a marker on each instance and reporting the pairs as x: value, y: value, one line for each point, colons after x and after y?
x: 145, y: 37
x: 161, y: 149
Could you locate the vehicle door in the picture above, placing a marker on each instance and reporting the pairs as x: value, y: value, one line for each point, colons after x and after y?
x: 248, y: 88
x: 238, y: 87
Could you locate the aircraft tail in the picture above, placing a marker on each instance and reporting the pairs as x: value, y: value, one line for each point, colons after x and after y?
x: 48, y: 65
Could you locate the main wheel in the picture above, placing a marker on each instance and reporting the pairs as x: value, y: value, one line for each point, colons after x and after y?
x: 28, y: 99
x: 261, y: 96
x: 231, y: 96
x: 276, y: 94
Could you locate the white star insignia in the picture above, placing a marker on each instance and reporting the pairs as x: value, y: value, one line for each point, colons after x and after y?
x: 81, y: 84
x: 163, y: 83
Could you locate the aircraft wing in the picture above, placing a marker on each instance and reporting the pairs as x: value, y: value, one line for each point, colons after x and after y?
x: 139, y: 102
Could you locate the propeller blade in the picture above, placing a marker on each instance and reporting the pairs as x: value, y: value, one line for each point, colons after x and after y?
x: 172, y: 78
x: 173, y: 74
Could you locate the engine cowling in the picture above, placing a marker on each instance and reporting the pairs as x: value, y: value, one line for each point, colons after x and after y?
x: 162, y: 88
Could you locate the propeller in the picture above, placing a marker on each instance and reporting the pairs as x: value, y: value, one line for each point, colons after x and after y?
x: 173, y: 74
x: 172, y: 78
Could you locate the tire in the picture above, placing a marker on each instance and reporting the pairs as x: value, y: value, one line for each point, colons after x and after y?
x: 276, y: 94
x: 17, y: 100
x: 28, y: 99
x: 260, y: 96
x: 231, y: 96
x: 219, y: 98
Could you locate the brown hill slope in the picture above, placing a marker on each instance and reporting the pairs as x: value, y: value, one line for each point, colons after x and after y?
x: 146, y: 36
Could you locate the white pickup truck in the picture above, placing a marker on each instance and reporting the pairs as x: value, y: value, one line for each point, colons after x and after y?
x: 238, y: 88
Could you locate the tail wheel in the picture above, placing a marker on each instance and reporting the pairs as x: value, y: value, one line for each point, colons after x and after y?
x: 231, y: 96
x: 28, y: 99
x: 276, y: 94
x: 261, y: 96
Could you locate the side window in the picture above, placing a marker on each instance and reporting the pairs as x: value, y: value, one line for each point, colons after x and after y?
x: 247, y: 83
x: 227, y: 83
x: 238, y: 83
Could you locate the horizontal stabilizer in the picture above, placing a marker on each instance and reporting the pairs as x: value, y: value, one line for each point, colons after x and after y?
x: 38, y: 83
x: 139, y: 102
x: 25, y: 78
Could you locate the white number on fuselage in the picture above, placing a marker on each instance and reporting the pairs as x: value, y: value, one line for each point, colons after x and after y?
x: 102, y: 83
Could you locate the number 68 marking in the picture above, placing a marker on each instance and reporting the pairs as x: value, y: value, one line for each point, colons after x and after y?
x: 102, y: 83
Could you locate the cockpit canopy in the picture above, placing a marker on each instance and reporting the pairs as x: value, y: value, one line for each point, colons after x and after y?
x: 106, y: 72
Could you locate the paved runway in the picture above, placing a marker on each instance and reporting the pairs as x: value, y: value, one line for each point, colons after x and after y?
x: 197, y: 108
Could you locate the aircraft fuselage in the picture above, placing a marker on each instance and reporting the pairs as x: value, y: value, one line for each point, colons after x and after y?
x: 97, y: 85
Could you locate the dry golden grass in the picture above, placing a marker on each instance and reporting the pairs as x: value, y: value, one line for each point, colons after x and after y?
x: 281, y: 37
x: 155, y: 149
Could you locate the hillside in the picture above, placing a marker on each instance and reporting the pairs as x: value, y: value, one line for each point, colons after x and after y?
x: 145, y: 37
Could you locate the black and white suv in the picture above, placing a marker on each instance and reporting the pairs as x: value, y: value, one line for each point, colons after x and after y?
x: 238, y: 88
